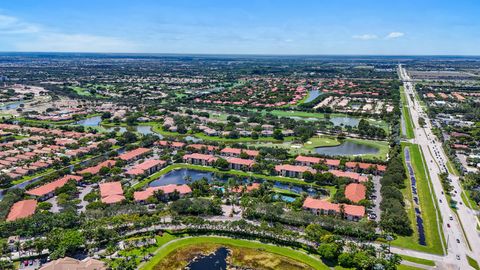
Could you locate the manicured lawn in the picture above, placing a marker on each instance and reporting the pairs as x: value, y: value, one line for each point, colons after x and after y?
x: 320, y: 141
x: 407, y: 267
x: 316, y: 263
x: 154, y: 176
x: 406, y: 115
x: 473, y: 263
x: 418, y: 260
x: 384, y: 147
x: 427, y: 200
x: 81, y: 91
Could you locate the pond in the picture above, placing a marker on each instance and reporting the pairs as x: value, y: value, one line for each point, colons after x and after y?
x: 312, y: 95
x: 345, y: 121
x: 215, y: 261
x: 95, y: 121
x: 347, y: 148
x: 178, y: 177
x: 11, y: 105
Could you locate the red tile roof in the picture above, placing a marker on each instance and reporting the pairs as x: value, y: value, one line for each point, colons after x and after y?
x: 201, y: 146
x: 352, y: 175
x: 111, y: 192
x: 293, y: 168
x: 365, y: 166
x: 308, y: 159
x: 241, y: 161
x: 96, y: 169
x: 50, y: 187
x: 237, y: 151
x: 148, y: 164
x: 208, y: 158
x: 171, y: 143
x: 134, y: 153
x: 352, y: 210
x: 22, y: 209
x: 355, y: 192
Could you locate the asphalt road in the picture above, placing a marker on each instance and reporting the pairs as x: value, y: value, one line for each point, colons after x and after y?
x: 435, y: 160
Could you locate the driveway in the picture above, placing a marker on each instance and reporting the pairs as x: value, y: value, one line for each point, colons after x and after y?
x: 83, y: 192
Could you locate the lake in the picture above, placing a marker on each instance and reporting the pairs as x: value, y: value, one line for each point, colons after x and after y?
x: 178, y: 177
x: 345, y: 121
x: 312, y: 95
x: 347, y: 148
x: 215, y: 261
x: 11, y: 105
x: 95, y: 121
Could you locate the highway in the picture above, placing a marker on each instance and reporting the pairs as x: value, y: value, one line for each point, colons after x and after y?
x: 436, y: 159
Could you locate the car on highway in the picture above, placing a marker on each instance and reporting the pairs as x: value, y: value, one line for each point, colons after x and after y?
x: 448, y: 225
x: 451, y: 218
x: 458, y: 241
x: 458, y: 257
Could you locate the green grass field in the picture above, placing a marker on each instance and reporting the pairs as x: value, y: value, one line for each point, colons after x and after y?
x: 418, y: 260
x: 473, y: 263
x: 166, y: 249
x: 320, y: 141
x: 407, y: 267
x: 81, y: 91
x: 427, y: 200
x: 406, y: 115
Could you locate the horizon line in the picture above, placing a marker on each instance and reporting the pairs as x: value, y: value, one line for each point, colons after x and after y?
x: 238, y: 54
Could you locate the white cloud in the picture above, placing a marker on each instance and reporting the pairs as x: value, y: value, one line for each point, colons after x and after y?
x: 393, y: 35
x: 365, y: 37
x: 12, y: 25
x: 32, y: 37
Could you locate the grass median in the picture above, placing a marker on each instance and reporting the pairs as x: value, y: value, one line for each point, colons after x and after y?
x: 406, y: 115
x: 427, y: 201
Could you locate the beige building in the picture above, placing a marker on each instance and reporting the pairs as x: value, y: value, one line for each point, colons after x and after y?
x: 73, y: 264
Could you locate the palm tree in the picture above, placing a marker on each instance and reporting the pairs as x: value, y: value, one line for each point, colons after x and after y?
x: 188, y: 179
x: 18, y: 247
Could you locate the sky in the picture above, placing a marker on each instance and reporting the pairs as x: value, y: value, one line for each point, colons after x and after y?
x: 370, y: 27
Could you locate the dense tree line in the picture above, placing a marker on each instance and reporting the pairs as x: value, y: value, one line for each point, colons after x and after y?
x: 394, y: 217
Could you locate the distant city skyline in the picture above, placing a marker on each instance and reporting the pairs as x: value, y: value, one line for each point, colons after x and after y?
x: 279, y: 27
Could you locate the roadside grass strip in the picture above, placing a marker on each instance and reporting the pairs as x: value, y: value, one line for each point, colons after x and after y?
x: 406, y: 115
x: 427, y: 210
x: 418, y: 260
x: 473, y: 263
x: 171, y: 246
